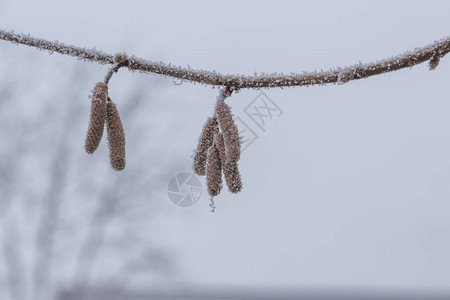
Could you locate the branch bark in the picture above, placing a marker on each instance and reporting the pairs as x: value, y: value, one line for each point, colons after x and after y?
x: 432, y: 52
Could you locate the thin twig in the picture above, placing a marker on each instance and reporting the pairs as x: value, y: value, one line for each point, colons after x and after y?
x: 113, y: 70
x: 335, y: 76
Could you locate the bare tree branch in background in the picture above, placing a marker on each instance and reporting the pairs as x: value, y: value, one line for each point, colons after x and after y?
x: 49, y: 218
x: 13, y: 263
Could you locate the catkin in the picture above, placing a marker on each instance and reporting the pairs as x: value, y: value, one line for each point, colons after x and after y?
x: 229, y: 131
x: 213, y: 172
x: 97, y: 118
x: 116, y: 137
x: 204, y: 143
x: 220, y: 145
x: 434, y: 62
x: 232, y: 176
x: 230, y: 168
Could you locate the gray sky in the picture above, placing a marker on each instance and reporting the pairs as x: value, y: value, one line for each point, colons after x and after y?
x: 349, y: 187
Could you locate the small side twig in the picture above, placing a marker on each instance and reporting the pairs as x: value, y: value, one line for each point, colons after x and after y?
x: 121, y: 61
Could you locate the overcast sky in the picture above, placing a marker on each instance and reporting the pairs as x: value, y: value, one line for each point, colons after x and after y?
x: 349, y: 187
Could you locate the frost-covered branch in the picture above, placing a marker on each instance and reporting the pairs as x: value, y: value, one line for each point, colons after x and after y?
x: 432, y: 53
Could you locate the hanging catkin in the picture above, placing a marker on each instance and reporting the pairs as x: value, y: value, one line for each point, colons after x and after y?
x: 230, y: 169
x: 232, y: 176
x: 97, y: 118
x: 434, y: 62
x: 220, y: 145
x: 229, y: 131
x: 116, y: 137
x: 213, y: 172
x: 204, y: 143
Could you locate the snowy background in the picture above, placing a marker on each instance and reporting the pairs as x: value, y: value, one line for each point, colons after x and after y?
x: 348, y: 189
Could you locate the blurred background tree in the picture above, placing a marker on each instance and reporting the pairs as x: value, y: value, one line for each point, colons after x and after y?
x: 66, y: 217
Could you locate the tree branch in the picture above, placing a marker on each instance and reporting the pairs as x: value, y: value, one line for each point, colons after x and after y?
x: 432, y: 52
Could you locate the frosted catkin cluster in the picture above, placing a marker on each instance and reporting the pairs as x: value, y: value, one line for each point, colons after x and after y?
x: 219, y: 149
x: 103, y: 110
